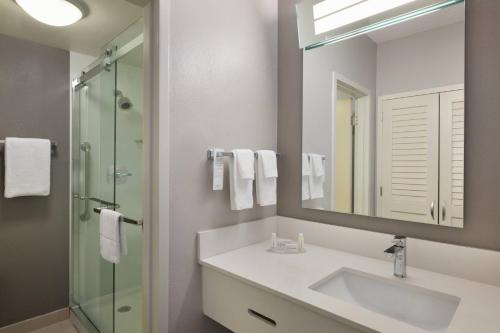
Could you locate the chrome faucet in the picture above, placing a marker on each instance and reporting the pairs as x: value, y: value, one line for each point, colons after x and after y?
x: 398, y: 251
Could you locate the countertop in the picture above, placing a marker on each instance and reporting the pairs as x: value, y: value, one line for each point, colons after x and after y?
x: 291, y: 275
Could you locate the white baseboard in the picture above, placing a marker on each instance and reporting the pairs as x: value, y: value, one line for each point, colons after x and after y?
x: 38, y: 322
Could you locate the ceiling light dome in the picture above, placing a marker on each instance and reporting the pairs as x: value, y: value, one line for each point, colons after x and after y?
x: 57, y: 13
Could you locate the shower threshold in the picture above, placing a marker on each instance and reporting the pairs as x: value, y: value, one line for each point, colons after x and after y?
x: 128, y: 311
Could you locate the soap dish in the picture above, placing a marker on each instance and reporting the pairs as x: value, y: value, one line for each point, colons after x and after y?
x: 287, y: 251
x: 286, y: 247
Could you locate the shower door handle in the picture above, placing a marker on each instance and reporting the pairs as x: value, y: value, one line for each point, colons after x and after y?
x: 85, y: 147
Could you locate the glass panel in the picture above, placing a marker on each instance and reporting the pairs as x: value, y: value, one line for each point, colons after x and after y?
x: 108, y: 170
x: 93, y: 148
x: 129, y: 188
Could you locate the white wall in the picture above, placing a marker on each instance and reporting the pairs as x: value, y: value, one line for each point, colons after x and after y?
x: 77, y: 63
x: 219, y: 90
x: 425, y: 60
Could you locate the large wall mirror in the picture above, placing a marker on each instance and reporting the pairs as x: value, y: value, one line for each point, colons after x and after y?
x: 383, y: 108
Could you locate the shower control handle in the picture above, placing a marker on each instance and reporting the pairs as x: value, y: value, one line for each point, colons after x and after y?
x: 120, y: 174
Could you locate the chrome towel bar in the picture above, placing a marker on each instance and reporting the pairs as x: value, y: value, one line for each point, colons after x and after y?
x: 124, y: 219
x: 211, y: 154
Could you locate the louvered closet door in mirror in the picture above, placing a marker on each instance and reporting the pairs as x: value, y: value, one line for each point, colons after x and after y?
x: 410, y: 156
x: 451, y: 177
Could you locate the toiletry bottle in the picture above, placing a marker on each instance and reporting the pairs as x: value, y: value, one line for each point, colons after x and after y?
x: 273, y: 241
x: 301, y: 242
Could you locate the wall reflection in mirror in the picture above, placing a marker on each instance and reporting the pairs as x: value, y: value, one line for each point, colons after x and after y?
x: 383, y: 121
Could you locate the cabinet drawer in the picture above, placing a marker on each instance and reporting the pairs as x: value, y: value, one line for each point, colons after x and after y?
x: 243, y: 308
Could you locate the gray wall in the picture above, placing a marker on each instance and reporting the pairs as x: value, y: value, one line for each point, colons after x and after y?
x: 223, y: 79
x: 354, y: 59
x: 429, y: 59
x: 34, y: 102
x: 482, y: 153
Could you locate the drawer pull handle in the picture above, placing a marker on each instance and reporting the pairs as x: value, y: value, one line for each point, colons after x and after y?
x: 265, y: 319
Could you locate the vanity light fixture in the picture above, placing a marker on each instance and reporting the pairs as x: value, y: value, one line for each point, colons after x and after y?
x: 328, y: 7
x: 57, y: 13
x: 335, y: 38
x: 344, y: 12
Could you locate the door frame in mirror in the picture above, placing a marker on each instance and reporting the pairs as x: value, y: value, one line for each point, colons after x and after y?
x: 363, y: 150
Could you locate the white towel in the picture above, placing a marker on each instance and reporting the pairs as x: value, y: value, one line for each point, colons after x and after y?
x: 27, y: 167
x: 112, y: 237
x: 317, y: 165
x: 317, y: 179
x: 267, y: 174
x: 241, y: 176
x: 306, y: 172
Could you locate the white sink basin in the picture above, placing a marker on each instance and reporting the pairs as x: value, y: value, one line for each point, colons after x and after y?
x: 423, y: 308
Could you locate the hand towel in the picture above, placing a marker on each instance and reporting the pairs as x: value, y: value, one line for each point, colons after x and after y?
x: 27, y: 167
x: 317, y: 165
x: 112, y: 237
x: 267, y: 174
x: 306, y: 172
x: 245, y: 160
x: 317, y: 178
x: 241, y: 176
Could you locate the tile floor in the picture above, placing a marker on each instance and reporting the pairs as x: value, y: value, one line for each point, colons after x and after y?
x: 61, y: 327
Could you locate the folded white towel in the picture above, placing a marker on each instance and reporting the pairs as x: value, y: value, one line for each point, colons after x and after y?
x: 241, y: 176
x: 317, y: 179
x: 112, y: 236
x: 267, y: 174
x: 306, y: 165
x: 245, y: 160
x: 27, y: 167
x: 317, y: 165
x: 306, y: 172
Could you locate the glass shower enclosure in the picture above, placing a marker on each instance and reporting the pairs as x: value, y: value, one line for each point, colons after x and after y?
x: 107, y: 172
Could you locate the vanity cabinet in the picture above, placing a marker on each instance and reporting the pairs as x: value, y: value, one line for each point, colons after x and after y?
x: 243, y: 308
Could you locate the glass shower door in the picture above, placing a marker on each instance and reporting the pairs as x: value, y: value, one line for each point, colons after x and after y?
x: 129, y: 188
x: 108, y: 173
x: 93, y: 157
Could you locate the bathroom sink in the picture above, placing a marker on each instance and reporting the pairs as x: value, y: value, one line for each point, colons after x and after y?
x: 423, y: 308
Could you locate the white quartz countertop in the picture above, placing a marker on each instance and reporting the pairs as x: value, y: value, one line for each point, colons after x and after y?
x: 291, y: 275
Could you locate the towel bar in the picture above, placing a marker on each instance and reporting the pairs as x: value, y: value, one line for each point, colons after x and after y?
x: 124, y: 219
x: 53, y: 146
x: 322, y: 157
x: 210, y: 154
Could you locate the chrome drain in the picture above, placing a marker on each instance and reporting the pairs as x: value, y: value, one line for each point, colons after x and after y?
x: 125, y: 308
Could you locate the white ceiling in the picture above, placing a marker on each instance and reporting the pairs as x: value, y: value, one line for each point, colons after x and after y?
x: 442, y: 18
x: 106, y: 19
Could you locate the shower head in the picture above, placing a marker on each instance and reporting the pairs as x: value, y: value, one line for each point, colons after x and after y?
x: 123, y: 102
